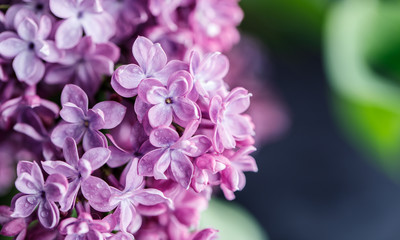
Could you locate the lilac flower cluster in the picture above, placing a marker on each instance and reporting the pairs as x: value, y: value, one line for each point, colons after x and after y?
x: 116, y: 144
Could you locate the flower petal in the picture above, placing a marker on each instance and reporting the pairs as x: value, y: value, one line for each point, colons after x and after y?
x: 64, y: 130
x: 98, y: 193
x: 60, y: 167
x: 68, y: 33
x: 70, y: 196
x: 133, y: 180
x: 97, y: 157
x: 180, y: 83
x: 100, y: 26
x: 72, y: 113
x: 182, y: 168
x: 163, y: 137
x: 118, y: 157
x: 128, y: 77
x: 27, y: 29
x: 25, y: 205
x: 48, y: 214
x: 160, y: 115
x: 10, y: 47
x: 93, y: 139
x: 28, y: 67
x: 62, y: 8
x: 149, y: 197
x: 185, y: 109
x: 56, y: 187
x: 113, y: 113
x: 148, y: 161
x: 74, y: 94
x: 197, y: 146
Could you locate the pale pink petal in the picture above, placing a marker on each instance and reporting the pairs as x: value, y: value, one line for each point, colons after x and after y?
x: 48, y: 51
x: 113, y: 113
x: 48, y: 214
x: 180, y: 83
x: 100, y: 26
x: 163, y: 137
x: 185, y: 109
x: 97, y: 157
x: 72, y: 113
x: 215, y: 106
x: 140, y: 50
x: 148, y: 161
x: 74, y: 94
x: 27, y: 184
x: 56, y: 187
x: 68, y: 33
x: 171, y: 67
x: 162, y: 165
x: 27, y: 29
x: 93, y: 139
x: 160, y: 115
x: 197, y: 146
x: 156, y: 95
x: 28, y: 67
x: 156, y: 61
x: 118, y: 157
x: 10, y: 47
x: 52, y: 167
x: 64, y: 130
x: 182, y: 168
x: 146, y: 86
x: 63, y: 8
x: 25, y: 205
x: 98, y: 193
x: 126, y: 79
x: 133, y: 180
x: 149, y: 197
x: 239, y: 126
x: 70, y: 197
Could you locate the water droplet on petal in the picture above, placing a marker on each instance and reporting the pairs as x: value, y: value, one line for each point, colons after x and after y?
x: 43, y: 214
x: 98, y: 185
x: 31, y: 200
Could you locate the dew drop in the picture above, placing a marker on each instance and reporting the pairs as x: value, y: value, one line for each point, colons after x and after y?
x: 43, y: 214
x: 98, y: 185
x: 31, y: 200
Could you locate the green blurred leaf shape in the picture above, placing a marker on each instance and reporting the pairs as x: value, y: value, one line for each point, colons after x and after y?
x: 362, y: 46
x: 232, y: 221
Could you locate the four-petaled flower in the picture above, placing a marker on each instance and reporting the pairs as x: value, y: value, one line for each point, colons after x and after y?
x: 173, y: 152
x: 36, y: 192
x: 83, y: 123
x: 76, y: 169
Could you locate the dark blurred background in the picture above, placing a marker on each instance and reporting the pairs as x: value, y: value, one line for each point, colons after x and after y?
x: 314, y: 182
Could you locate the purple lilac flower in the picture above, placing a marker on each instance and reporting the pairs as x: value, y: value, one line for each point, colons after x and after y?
x: 208, y: 72
x: 76, y: 169
x: 12, y: 227
x: 232, y: 177
x: 128, y: 15
x: 169, y: 102
x: 85, y: 15
x: 33, y: 8
x: 165, y: 11
x: 152, y: 62
x: 173, y: 153
x: 11, y: 110
x: 214, y: 24
x: 36, y: 192
x: 84, y: 65
x: 84, y: 227
x: 81, y: 122
x: 124, y: 201
x: 29, y: 48
x: 230, y: 124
